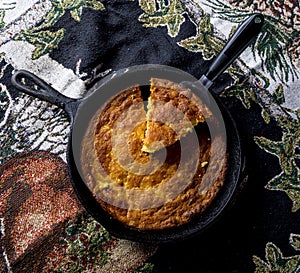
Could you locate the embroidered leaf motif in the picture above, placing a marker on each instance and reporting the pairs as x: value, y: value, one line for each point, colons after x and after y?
x: 170, y: 15
x: 241, y: 91
x: 261, y: 266
x: 278, y: 95
x: 76, y: 14
x: 2, y: 14
x: 275, y: 262
x: 93, y: 4
x: 146, y: 268
x: 205, y: 41
x: 295, y: 241
x: 74, y: 6
x: 272, y: 147
x: 289, y: 179
x: 44, y: 41
x: 283, y: 182
x: 243, y: 88
x: 148, y: 6
x: 254, y: 87
x: 266, y: 116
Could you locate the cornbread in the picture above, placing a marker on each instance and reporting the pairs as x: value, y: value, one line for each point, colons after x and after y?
x: 164, y: 129
x: 155, y: 190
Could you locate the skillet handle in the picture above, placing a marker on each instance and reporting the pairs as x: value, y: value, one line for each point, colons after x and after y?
x: 32, y: 85
x: 242, y: 37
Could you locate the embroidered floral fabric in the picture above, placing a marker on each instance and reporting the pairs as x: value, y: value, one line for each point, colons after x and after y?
x: 72, y: 44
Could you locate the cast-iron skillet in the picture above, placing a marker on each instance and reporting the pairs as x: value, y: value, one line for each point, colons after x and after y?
x: 82, y: 110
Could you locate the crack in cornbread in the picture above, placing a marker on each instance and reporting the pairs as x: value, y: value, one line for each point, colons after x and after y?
x: 114, y: 147
x: 165, y: 98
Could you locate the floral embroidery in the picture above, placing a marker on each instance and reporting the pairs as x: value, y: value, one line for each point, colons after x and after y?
x: 157, y: 13
x: 45, y: 40
x: 275, y: 262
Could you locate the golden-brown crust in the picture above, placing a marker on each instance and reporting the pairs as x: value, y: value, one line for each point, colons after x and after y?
x: 182, y: 208
x: 178, y: 210
x: 172, y: 113
x: 179, y: 96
